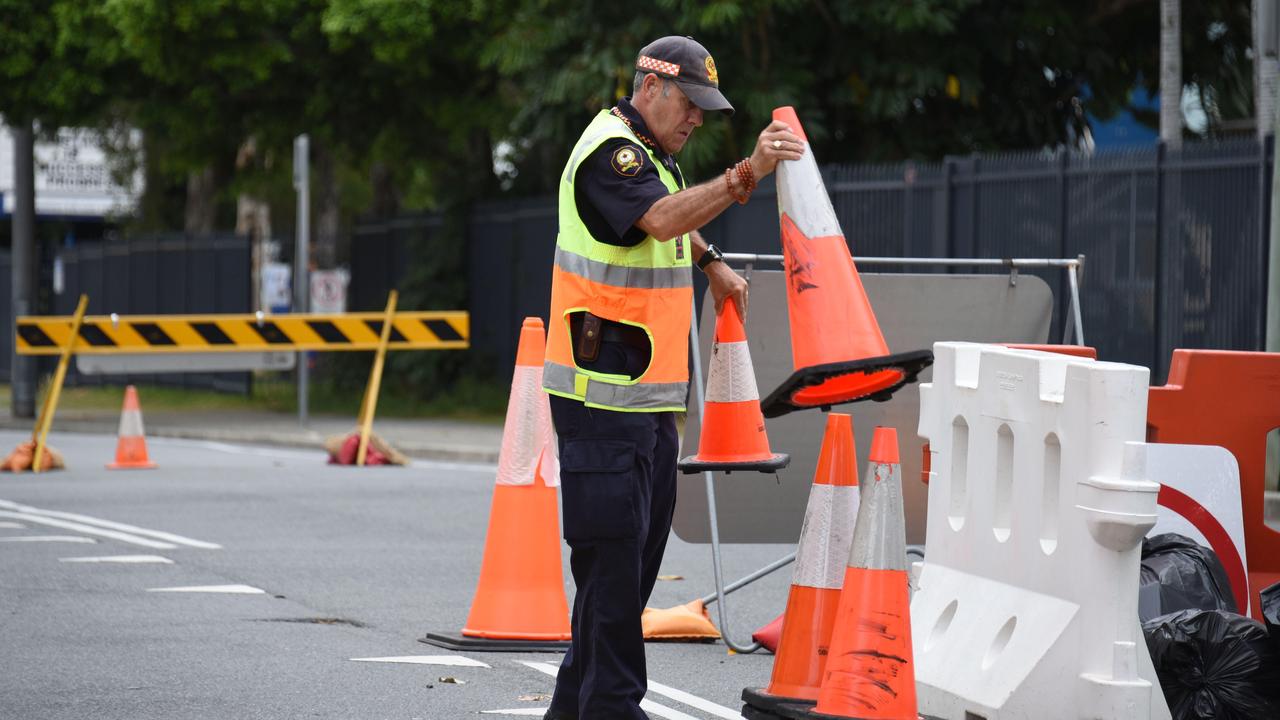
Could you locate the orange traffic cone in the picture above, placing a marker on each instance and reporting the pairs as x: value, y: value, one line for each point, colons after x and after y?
x: 520, y: 603
x: 837, y: 349
x: 131, y: 443
x: 820, y: 567
x: 733, y: 436
x: 870, y: 671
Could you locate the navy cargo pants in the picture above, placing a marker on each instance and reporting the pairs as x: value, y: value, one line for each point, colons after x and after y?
x: 618, y: 493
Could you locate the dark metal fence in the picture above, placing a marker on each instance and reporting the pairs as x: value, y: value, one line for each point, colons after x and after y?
x: 154, y: 274
x: 1176, y: 241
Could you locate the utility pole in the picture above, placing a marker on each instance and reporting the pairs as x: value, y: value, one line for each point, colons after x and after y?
x: 1266, y: 69
x: 22, y: 375
x: 1171, y: 73
x: 302, y: 252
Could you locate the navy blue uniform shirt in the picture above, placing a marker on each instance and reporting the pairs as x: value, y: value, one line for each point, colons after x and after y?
x: 617, y: 184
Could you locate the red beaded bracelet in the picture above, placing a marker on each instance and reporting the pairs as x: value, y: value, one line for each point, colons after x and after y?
x: 728, y: 184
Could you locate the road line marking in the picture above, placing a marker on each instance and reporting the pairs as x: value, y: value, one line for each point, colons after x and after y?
x: 694, y: 701
x: 224, y: 589
x: 11, y: 525
x: 125, y: 559
x: 89, y: 530
x: 536, y: 712
x: 648, y: 706
x: 132, y: 529
x: 451, y: 660
x: 313, y: 455
x: 48, y: 538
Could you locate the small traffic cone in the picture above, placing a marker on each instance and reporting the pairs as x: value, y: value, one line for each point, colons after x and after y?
x: 870, y: 671
x: 131, y: 443
x: 837, y: 349
x: 520, y: 602
x: 733, y: 436
x: 819, y: 573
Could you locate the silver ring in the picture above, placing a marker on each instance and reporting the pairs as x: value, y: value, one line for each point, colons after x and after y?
x: 777, y: 144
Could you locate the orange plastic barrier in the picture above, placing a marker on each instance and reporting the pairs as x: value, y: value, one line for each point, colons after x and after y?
x: 733, y: 435
x: 1231, y: 399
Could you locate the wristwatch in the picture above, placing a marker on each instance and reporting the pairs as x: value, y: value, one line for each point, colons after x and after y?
x: 711, y: 255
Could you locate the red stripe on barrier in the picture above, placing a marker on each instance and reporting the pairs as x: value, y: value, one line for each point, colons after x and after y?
x: 1219, y: 540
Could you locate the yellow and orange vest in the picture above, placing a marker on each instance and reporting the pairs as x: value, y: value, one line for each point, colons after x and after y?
x: 648, y: 285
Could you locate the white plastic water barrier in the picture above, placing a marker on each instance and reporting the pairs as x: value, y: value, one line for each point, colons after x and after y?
x: 1038, y: 502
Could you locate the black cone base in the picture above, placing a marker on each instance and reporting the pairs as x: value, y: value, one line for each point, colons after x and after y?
x: 781, y: 401
x: 458, y: 641
x: 762, y: 705
x: 692, y: 464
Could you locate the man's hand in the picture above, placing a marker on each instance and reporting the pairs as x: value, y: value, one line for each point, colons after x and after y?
x: 766, y: 156
x: 725, y: 283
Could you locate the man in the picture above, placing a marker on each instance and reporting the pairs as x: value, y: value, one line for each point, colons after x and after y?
x: 617, y: 352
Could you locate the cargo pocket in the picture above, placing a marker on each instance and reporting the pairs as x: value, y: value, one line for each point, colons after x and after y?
x: 598, y: 489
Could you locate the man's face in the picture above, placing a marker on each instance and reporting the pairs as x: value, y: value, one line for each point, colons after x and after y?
x: 672, y: 116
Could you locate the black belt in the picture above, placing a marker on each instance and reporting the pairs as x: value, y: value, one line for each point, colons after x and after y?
x: 625, y: 334
x: 616, y: 332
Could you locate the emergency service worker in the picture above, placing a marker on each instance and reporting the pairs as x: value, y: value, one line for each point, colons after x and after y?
x: 617, y: 363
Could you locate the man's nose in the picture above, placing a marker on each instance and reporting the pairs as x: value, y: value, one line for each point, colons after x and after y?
x: 695, y: 117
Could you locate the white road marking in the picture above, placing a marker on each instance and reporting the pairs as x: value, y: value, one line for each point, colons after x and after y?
x: 11, y: 525
x: 132, y: 529
x: 126, y: 559
x: 536, y: 712
x: 694, y: 701
x: 89, y: 530
x: 225, y: 589
x: 48, y: 538
x: 648, y: 706
x: 451, y: 660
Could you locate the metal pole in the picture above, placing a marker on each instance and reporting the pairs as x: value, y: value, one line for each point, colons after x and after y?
x: 22, y: 374
x: 721, y: 606
x: 302, y: 254
x: 748, y: 579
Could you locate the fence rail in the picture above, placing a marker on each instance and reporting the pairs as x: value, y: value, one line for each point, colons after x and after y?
x: 1176, y: 241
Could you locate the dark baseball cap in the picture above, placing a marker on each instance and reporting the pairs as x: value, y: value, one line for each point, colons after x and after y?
x: 685, y: 61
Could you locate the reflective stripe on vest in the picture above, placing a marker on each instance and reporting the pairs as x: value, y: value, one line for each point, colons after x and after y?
x: 648, y: 285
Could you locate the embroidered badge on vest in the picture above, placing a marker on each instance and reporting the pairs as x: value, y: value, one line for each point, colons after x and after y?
x: 627, y: 161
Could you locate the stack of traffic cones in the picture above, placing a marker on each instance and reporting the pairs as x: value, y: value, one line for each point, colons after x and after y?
x: 802, y: 647
x: 870, y: 671
x: 131, y: 441
x: 520, y: 602
x: 839, y: 353
x: 733, y: 435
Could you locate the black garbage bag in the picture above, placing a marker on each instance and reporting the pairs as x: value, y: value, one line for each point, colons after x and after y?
x: 1271, y: 612
x: 1179, y: 574
x: 1215, y: 665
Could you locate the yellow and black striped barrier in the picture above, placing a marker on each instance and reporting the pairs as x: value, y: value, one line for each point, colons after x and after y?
x: 116, y: 334
x: 169, y: 334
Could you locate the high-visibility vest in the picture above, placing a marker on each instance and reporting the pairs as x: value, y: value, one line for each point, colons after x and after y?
x: 648, y: 285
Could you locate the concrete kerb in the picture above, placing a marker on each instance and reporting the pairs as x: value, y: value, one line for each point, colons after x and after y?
x: 445, y: 440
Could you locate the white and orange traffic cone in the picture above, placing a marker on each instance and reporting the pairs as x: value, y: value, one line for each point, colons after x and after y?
x: 870, y: 672
x: 131, y: 443
x: 733, y: 435
x: 821, y: 555
x: 837, y: 348
x: 520, y: 602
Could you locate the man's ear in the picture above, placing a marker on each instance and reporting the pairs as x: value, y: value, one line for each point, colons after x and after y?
x: 651, y: 86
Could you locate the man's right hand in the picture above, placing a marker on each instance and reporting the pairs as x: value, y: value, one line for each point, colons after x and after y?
x: 765, y: 157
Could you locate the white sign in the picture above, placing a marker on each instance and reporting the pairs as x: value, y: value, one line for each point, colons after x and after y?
x: 275, y: 293
x: 73, y: 176
x: 329, y: 290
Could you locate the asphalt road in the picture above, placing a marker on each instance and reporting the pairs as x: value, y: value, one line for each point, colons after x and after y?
x: 350, y: 562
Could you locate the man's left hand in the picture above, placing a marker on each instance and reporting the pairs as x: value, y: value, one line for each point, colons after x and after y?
x: 725, y: 283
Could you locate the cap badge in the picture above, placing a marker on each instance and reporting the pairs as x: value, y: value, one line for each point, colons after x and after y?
x: 712, y: 75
